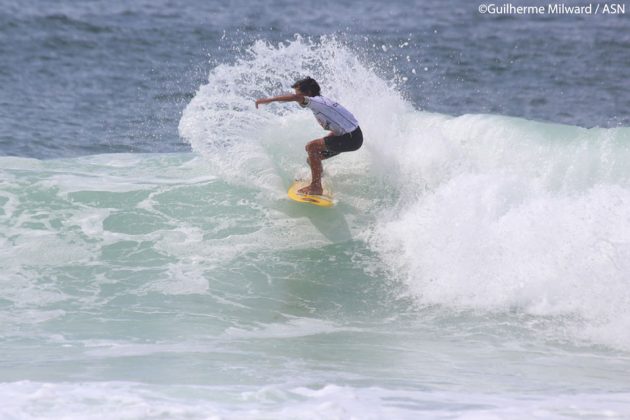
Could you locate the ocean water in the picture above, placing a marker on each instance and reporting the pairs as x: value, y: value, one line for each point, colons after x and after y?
x: 476, y: 265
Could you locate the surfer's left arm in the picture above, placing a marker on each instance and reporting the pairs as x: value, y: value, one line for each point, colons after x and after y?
x: 282, y: 98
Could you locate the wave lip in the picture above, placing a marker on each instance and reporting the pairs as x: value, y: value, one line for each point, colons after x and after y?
x: 256, y: 146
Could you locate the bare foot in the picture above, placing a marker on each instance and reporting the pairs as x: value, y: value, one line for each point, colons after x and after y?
x: 311, y: 190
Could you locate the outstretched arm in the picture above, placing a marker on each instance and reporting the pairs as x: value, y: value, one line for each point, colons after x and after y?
x: 282, y: 98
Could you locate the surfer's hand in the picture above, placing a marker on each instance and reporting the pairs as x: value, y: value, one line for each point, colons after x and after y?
x: 261, y: 101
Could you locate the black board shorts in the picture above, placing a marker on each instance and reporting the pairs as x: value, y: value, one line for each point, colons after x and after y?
x: 348, y: 142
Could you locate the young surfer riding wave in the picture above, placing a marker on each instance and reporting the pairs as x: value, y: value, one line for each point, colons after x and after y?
x: 345, y: 133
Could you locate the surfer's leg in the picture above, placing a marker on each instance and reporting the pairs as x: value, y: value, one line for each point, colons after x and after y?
x: 314, y: 149
x: 326, y: 154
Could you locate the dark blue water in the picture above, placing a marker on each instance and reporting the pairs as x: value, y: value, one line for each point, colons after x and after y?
x: 93, y: 77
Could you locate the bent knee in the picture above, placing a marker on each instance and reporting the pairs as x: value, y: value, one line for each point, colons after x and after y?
x: 315, y: 146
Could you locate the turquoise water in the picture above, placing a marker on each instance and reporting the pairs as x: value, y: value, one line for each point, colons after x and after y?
x: 144, y: 285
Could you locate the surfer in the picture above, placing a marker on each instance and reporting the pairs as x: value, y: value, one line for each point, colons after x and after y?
x: 345, y: 134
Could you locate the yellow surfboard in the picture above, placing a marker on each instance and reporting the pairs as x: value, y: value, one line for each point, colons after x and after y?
x: 324, y: 200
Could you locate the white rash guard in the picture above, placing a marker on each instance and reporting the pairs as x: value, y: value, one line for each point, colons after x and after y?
x: 330, y: 115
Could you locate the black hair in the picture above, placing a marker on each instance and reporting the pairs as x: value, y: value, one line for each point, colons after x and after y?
x: 308, y: 86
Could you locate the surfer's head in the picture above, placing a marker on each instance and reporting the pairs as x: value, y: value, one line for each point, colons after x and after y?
x: 307, y: 86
